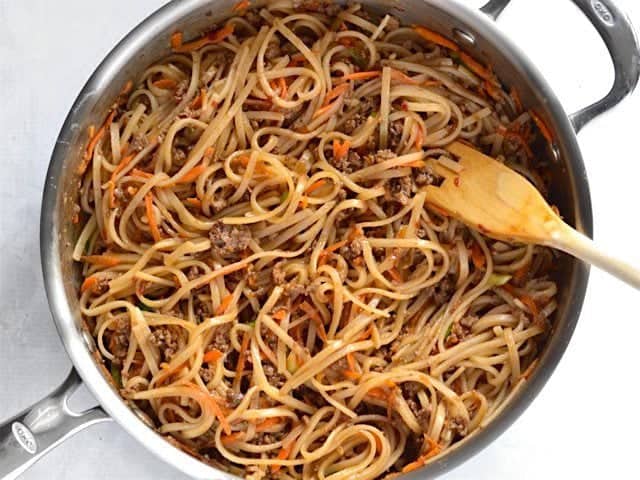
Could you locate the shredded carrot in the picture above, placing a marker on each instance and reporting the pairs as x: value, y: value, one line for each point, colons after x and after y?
x: 268, y: 423
x: 89, y: 283
x: 351, y: 374
x: 432, y: 450
x: 297, y: 59
x: 330, y: 249
x: 304, y: 203
x: 351, y: 361
x: 212, y: 356
x: 151, y: 217
x: 340, y: 149
x: 395, y: 275
x: 315, y: 186
x: 345, y: 41
x: 194, y: 202
x: 283, y: 454
x: 433, y: 37
x: 95, y: 138
x: 231, y: 438
x: 477, y: 256
x: 398, y: 76
x: 224, y: 305
x: 165, y: 84
x: 322, y: 110
x: 241, y: 5
x: 419, y: 141
x: 139, y: 173
x: 198, y: 102
x: 431, y: 83
x: 280, y: 314
x: 360, y: 76
x: 283, y: 87
x: 367, y: 333
x: 335, y: 92
x: 307, y: 308
x: 416, y: 163
x: 520, y: 274
x: 492, y: 90
x: 475, y: 66
x: 75, y: 219
x: 544, y: 130
x: 208, y: 154
x: 192, y: 174
x: 206, y: 398
x: 241, y: 359
x: 121, y: 166
x: 528, y: 301
x: 102, y: 260
x: 516, y: 100
x: 213, y: 37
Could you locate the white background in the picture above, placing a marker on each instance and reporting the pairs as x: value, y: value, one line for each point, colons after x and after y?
x: 585, y: 422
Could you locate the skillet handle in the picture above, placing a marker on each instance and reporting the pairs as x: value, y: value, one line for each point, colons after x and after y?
x: 27, y: 437
x: 617, y: 32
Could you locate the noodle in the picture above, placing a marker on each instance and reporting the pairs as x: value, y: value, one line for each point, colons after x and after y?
x: 263, y: 274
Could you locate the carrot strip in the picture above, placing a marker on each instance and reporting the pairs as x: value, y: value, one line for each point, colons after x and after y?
x: 268, y: 423
x: 419, y: 141
x: 241, y: 5
x: 165, y: 84
x: 192, y: 174
x: 433, y: 450
x: 283, y: 455
x: 102, y: 260
x: 231, y: 438
x: 212, y: 38
x: 544, y: 130
x: 322, y: 258
x: 88, y: 153
x: 283, y: 87
x: 322, y: 110
x: 477, y: 256
x: 224, y: 305
x: 315, y: 186
x: 520, y: 274
x: 89, y: 284
x: 351, y: 361
x: 335, y: 92
x: 395, y: 275
x: 341, y: 150
x: 516, y: 99
x: 139, y: 173
x: 475, y: 66
x: 528, y: 301
x: 398, y: 76
x: 151, y: 217
x: 194, y: 202
x: 241, y: 359
x: 433, y: 37
x: 199, y: 100
x: 351, y: 374
x: 360, y: 76
x: 212, y: 356
x: 280, y: 314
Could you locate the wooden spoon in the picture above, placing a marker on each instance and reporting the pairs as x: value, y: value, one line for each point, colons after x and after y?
x: 485, y: 194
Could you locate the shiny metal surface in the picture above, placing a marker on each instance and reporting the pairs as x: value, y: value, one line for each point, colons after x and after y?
x: 147, y: 43
x: 31, y: 434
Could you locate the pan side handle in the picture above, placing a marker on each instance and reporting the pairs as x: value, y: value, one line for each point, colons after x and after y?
x: 616, y: 31
x: 27, y: 437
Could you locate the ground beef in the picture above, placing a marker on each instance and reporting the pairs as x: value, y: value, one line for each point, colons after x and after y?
x: 311, y: 397
x: 293, y: 290
x: 424, y: 176
x: 273, y: 377
x: 181, y: 90
x: 395, y: 134
x: 202, y: 307
x: 353, y: 123
x: 165, y: 340
x: 442, y: 291
x: 119, y: 342
x: 273, y: 51
x: 349, y: 164
x: 277, y: 274
x: 207, y: 373
x: 233, y: 398
x: 327, y: 7
x: 400, y: 189
x: 193, y: 273
x: 138, y: 142
x: 291, y: 116
x: 220, y: 338
x: 178, y: 156
x: 393, y: 24
x: 458, y: 425
x: 352, y: 250
x: 229, y: 240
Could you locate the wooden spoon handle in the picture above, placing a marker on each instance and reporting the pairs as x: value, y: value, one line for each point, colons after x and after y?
x: 575, y: 243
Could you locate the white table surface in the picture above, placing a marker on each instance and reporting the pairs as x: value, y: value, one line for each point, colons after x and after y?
x: 583, y: 424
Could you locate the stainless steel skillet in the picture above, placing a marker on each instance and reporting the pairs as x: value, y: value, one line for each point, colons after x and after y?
x: 28, y: 436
